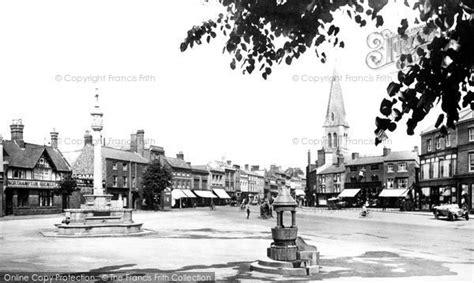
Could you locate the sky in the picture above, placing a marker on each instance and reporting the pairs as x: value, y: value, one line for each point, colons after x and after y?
x: 54, y: 54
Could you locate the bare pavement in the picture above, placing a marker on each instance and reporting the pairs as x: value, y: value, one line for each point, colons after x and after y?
x: 388, y: 246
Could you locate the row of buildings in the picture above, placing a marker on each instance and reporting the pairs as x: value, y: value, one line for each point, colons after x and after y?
x: 441, y: 172
x: 31, y: 173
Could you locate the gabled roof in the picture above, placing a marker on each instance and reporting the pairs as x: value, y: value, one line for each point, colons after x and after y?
x: 333, y: 169
x: 335, y: 105
x: 28, y: 156
x: 175, y: 162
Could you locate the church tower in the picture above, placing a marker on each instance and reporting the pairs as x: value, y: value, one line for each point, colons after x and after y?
x: 335, y: 125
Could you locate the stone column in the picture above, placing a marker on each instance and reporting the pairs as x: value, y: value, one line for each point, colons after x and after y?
x: 98, y: 190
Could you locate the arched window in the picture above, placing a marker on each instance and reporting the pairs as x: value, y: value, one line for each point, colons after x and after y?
x: 329, y: 140
x: 335, y: 139
x: 332, y: 116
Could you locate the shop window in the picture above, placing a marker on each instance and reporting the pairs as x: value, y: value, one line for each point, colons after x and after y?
x: 23, y: 196
x: 45, y: 198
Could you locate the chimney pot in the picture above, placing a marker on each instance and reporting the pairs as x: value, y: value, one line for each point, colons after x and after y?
x: 87, y: 138
x: 386, y: 151
x: 180, y: 155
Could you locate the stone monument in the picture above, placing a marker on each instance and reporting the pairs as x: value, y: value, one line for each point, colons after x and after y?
x: 96, y: 217
x: 288, y: 254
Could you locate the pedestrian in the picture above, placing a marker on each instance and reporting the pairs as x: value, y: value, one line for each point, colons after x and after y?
x: 248, y: 211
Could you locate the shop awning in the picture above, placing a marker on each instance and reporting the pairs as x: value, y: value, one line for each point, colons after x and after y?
x: 189, y: 194
x: 221, y: 193
x: 349, y: 193
x: 393, y: 193
x: 205, y: 194
x: 177, y: 194
x: 299, y: 192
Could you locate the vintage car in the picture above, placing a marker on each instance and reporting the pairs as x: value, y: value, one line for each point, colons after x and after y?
x: 452, y: 211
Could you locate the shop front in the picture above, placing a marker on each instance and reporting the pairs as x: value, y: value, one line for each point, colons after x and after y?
x: 27, y: 197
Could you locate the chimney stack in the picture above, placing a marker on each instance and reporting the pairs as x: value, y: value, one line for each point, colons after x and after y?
x: 16, y: 129
x: 141, y: 142
x: 386, y: 151
x: 236, y: 166
x: 246, y: 167
x: 309, y: 157
x: 133, y: 142
x: 321, y: 157
x: 189, y: 163
x: 180, y: 155
x: 54, y: 138
x: 340, y: 160
x: 255, y: 168
x: 355, y: 155
x: 229, y: 162
x: 87, y: 138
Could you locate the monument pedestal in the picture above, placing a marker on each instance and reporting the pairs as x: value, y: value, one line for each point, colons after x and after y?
x: 97, y: 217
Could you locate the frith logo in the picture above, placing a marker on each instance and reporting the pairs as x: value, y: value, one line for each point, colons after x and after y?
x: 388, y: 47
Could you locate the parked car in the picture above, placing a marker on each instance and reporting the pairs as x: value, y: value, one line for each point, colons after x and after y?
x: 452, y: 211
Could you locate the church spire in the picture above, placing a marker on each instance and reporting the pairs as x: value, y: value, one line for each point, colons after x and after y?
x: 335, y: 113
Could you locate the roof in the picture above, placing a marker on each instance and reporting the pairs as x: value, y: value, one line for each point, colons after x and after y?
x: 84, y: 161
x: 464, y: 115
x: 392, y: 156
x: 200, y: 168
x: 28, y: 156
x: 118, y: 154
x: 333, y: 169
x: 176, y: 162
x: 335, y: 105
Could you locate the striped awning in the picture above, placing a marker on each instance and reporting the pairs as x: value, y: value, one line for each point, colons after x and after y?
x: 393, y: 193
x: 177, y: 194
x: 204, y: 194
x: 349, y: 193
x: 189, y: 194
x: 221, y: 193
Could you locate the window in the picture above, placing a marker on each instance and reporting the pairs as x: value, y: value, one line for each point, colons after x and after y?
x: 402, y: 166
x: 337, y: 188
x: 23, y: 198
x: 329, y: 140
x: 45, y: 198
x: 125, y: 181
x: 435, y: 168
x: 448, y: 140
x: 19, y: 174
x: 353, y: 168
x: 429, y: 145
x: 425, y: 171
x: 471, y: 134
x: 125, y: 166
x: 332, y: 116
x: 471, y: 162
x: 134, y: 182
x: 374, y: 167
x: 402, y: 183
x: 114, y: 165
x: 323, y: 179
x: 115, y: 181
x: 375, y: 178
x: 390, y: 168
x: 390, y: 183
x: 438, y: 143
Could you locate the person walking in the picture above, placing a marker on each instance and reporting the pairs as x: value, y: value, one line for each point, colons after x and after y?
x: 248, y: 211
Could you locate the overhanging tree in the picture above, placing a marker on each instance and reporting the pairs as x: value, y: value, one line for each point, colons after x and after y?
x: 156, y: 178
x: 263, y: 33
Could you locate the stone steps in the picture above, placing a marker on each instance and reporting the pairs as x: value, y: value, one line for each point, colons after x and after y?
x: 282, y: 268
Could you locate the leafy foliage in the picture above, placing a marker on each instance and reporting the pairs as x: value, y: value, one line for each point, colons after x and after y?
x: 263, y: 33
x: 443, y: 74
x: 156, y: 178
x: 67, y: 185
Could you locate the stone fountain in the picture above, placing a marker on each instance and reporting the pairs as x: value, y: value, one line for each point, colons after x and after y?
x: 288, y: 254
x: 97, y: 217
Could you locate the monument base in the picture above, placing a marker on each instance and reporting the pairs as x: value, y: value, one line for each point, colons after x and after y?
x: 290, y: 268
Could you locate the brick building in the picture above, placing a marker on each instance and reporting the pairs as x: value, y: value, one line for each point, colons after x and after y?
x: 447, y: 164
x: 31, y: 174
